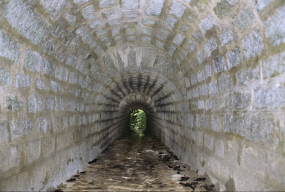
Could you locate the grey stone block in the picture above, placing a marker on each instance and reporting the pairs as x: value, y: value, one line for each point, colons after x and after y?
x: 33, y: 151
x: 27, y: 23
x: 272, y: 96
x: 61, y: 73
x: 239, y: 100
x: 226, y: 36
x: 153, y: 7
x: 252, y: 45
x: 233, y: 124
x: 233, y: 58
x: 219, y: 64
x: 59, y: 104
x: 210, y: 46
x: 178, y: 39
x: 88, y: 12
x: 53, y: 86
x: 13, y: 103
x: 197, y: 36
x: 21, y: 127
x: 208, y: 71
x: 207, y: 23
x: 245, y: 76
x: 169, y: 22
x: 261, y: 4
x: 216, y: 124
x: 197, y: 120
x: 49, y: 103
x: 4, y: 134
x: 4, y: 77
x: 225, y: 83
x: 244, y: 18
x: 22, y: 81
x: 201, y: 56
x: 130, y: 4
x: 10, y: 157
x: 8, y: 48
x: 206, y: 121
x: 40, y: 84
x: 53, y: 7
x: 43, y: 124
x: 177, y: 9
x: 34, y: 103
x: 200, y: 75
x: 32, y: 61
x: 73, y: 78
x: 204, y: 89
x: 213, y: 87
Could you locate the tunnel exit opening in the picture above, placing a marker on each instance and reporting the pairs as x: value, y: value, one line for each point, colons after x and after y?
x: 138, y: 122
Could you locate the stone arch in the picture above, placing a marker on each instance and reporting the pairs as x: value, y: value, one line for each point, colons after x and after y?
x: 212, y: 69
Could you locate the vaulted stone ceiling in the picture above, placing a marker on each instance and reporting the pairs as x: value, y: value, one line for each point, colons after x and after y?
x: 209, y: 73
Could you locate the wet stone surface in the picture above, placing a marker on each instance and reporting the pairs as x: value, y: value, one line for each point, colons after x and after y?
x: 136, y: 164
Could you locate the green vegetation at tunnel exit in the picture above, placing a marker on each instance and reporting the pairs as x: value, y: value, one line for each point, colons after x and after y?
x: 138, y: 121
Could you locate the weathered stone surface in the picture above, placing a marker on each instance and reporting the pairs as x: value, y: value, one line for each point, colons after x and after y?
x: 130, y: 4
x: 252, y: 45
x: 13, y: 103
x: 200, y: 75
x: 153, y: 7
x: 226, y: 36
x: 34, y: 103
x: 245, y: 76
x: 11, y: 157
x: 197, y: 120
x: 197, y: 36
x: 210, y: 46
x: 209, y: 142
x: 53, y: 86
x: 88, y: 12
x: 25, y: 21
x: 207, y: 23
x: 240, y: 100
x: 32, y: 61
x: 274, y: 65
x: 21, y: 127
x: 40, y: 84
x: 4, y: 77
x: 261, y: 4
x: 274, y: 27
x: 269, y: 96
x: 219, y: 64
x: 233, y: 124
x: 208, y: 71
x: 53, y: 7
x: 216, y: 124
x: 33, y: 150
x: 244, y: 18
x: 178, y: 39
x: 4, y: 134
x: 22, y: 81
x: 8, y: 48
x: 43, y: 124
x: 177, y: 9
x: 204, y: 89
x: 233, y: 58
x: 49, y: 103
x: 162, y: 34
x: 213, y: 87
x: 225, y: 83
x: 169, y: 22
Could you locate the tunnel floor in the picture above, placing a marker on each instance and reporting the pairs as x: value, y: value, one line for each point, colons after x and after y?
x: 135, y: 163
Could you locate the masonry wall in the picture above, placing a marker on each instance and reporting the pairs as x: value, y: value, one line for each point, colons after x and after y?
x: 209, y: 73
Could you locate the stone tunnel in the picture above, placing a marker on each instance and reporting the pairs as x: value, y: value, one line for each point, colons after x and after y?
x: 208, y: 73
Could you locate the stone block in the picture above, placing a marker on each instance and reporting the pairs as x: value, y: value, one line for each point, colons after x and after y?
x: 233, y: 124
x: 209, y: 142
x: 200, y: 75
x: 208, y: 71
x: 22, y: 81
x: 245, y: 76
x: 21, y: 127
x: 201, y: 104
x: 193, y: 79
x: 32, y: 61
x: 216, y: 124
x: 271, y: 96
x: 57, y: 123
x: 148, y: 22
x: 53, y: 86
x: 59, y: 104
x: 220, y: 148
x: 53, y: 7
x: 197, y: 36
x: 204, y: 89
x: 153, y: 7
x: 252, y: 45
x: 206, y: 121
x: 208, y: 104
x: 4, y: 77
x: 8, y: 48
x: 40, y: 84
x: 48, y: 146
x: 81, y: 82
x: 43, y: 124
x: 219, y: 64
x: 88, y: 12
x: 210, y: 46
x: 201, y: 56
x: 191, y: 46
x: 239, y: 100
x: 178, y: 39
x: 64, y: 140
x: 33, y: 150
x: 13, y: 103
x: 274, y: 27
x: 253, y: 160
x: 261, y: 4
x: 132, y: 58
x: 213, y: 87
x: 274, y: 65
x: 4, y: 134
x: 197, y: 120
x: 225, y: 83
x: 49, y: 102
x: 109, y: 14
x: 73, y: 78
x: 10, y: 157
x: 61, y: 73
x: 199, y: 139
x: 207, y: 23
x: 27, y: 23
x: 244, y: 18
x: 261, y: 128
x: 189, y: 94
x: 34, y: 103
x: 177, y: 9
x: 224, y: 8
x: 130, y: 4
x: 233, y: 58
x: 226, y: 36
